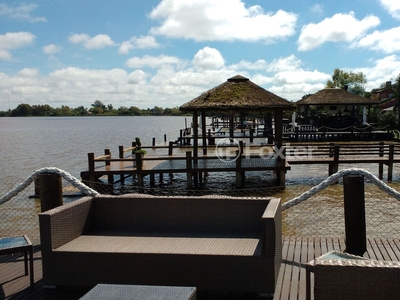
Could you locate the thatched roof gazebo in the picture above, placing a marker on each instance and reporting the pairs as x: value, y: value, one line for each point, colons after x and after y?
x: 335, y: 96
x: 334, y: 99
x: 237, y: 95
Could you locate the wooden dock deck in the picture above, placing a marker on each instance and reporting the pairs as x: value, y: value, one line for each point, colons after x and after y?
x: 296, y: 252
x: 248, y: 159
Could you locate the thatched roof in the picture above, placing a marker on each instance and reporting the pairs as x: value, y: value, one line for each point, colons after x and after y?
x: 237, y: 94
x: 335, y: 96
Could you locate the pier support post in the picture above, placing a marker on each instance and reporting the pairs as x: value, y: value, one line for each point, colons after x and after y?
x: 51, y: 194
x: 189, y: 169
x: 239, y: 172
x: 354, y: 214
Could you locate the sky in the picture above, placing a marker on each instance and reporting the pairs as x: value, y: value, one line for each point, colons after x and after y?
x: 148, y: 53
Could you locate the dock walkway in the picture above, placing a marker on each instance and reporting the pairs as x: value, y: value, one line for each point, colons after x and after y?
x: 296, y: 252
x: 250, y: 159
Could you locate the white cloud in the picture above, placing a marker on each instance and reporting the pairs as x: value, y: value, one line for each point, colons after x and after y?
x: 385, y: 41
x: 282, y: 64
x: 152, y: 61
x: 222, y: 20
x: 28, y: 73
x: 22, y: 12
x: 392, y: 7
x: 97, y: 42
x: 51, y: 49
x: 14, y: 40
x: 143, y: 42
x: 260, y: 64
x: 137, y: 77
x: 339, y: 28
x: 300, y: 76
x: 208, y: 59
x: 317, y: 8
x: 382, y: 70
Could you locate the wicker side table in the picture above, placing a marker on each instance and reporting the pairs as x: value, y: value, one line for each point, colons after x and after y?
x: 333, y: 255
x: 19, y: 244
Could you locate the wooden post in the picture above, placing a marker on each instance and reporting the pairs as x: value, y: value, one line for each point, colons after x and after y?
x: 390, y: 162
x: 181, y: 134
x: 152, y: 181
x: 154, y: 142
x: 334, y: 166
x: 121, y: 151
x: 239, y: 174
x: 51, y: 194
x: 139, y: 167
x: 281, y: 173
x: 91, y: 161
x: 204, y: 132
x: 108, y: 153
x: 354, y: 214
x: 165, y: 138
x: 189, y: 169
x: 170, y: 148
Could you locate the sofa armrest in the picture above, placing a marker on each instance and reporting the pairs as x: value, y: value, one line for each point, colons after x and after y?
x: 64, y: 223
x: 272, y: 221
x: 272, y: 237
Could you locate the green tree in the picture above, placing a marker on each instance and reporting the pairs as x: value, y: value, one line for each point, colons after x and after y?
x: 22, y: 110
x: 354, y: 81
x: 98, y: 107
x: 158, y: 111
x: 135, y: 111
x: 79, y: 111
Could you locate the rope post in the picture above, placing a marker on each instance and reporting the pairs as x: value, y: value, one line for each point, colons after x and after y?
x: 51, y: 194
x: 354, y: 214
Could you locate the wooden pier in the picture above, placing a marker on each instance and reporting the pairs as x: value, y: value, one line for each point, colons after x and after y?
x: 296, y: 252
x: 239, y: 160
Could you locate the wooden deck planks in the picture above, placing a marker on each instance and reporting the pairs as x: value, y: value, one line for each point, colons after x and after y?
x: 296, y: 252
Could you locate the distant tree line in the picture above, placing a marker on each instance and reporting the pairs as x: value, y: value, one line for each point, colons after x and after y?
x: 98, y: 108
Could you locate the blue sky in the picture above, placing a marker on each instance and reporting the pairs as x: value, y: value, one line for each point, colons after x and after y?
x: 165, y: 53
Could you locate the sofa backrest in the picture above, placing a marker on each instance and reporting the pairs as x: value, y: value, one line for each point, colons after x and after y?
x: 177, y: 215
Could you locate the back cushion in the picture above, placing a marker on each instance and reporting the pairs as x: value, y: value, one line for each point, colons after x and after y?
x: 179, y: 216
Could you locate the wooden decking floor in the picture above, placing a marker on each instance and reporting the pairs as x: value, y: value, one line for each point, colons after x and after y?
x: 291, y: 281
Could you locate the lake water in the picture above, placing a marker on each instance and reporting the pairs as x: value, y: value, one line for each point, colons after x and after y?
x: 28, y: 144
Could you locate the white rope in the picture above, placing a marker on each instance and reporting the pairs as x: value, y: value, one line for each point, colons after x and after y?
x: 71, y: 179
x: 334, y: 178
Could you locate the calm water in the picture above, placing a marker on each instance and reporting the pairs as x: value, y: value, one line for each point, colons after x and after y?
x: 28, y: 144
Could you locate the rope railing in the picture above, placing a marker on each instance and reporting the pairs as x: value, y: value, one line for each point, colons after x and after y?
x: 50, y: 170
x: 334, y: 178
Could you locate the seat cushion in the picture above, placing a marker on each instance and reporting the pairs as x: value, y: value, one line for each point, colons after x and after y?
x: 167, y: 245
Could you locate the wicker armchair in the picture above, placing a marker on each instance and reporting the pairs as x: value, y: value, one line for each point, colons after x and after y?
x: 356, y: 279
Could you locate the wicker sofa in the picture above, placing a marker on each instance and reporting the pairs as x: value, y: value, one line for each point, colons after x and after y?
x: 214, y: 243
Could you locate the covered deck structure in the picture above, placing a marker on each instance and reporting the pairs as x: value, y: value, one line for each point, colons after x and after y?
x: 333, y: 107
x: 238, y: 96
